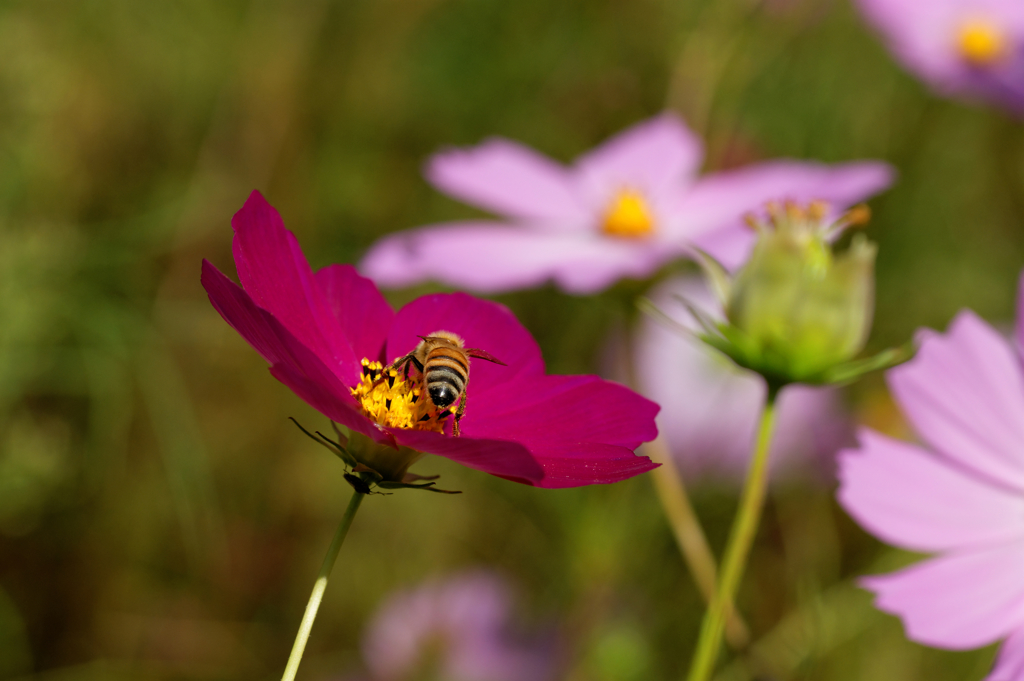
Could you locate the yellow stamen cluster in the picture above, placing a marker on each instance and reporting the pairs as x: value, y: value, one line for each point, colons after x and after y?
x: 393, y: 400
x: 628, y: 216
x: 981, y: 43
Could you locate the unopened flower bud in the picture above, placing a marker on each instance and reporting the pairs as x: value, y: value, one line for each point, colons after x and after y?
x: 798, y: 311
x: 804, y: 307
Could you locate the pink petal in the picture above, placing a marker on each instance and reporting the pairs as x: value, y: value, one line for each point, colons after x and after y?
x: 1010, y: 661
x: 274, y: 272
x: 460, y: 627
x: 504, y: 458
x: 511, y: 180
x: 470, y: 607
x: 924, y: 36
x: 1020, y: 317
x: 916, y: 500
x: 957, y: 601
x: 564, y: 408
x: 711, y: 213
x: 490, y: 258
x: 360, y: 308
x: 655, y: 156
x: 292, y: 363
x: 482, y: 324
x: 589, y: 464
x: 582, y: 429
x: 964, y: 393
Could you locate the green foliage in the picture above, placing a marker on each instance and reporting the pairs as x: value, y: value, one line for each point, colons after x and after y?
x: 161, y: 519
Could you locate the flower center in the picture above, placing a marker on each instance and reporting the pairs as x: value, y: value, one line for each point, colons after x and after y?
x: 981, y: 42
x: 628, y: 216
x: 393, y: 399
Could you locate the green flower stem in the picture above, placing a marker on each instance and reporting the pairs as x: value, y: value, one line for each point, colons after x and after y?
x: 736, y: 551
x: 689, y: 534
x: 319, y: 587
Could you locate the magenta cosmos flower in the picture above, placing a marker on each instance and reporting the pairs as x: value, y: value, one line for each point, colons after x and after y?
x: 621, y: 210
x: 961, y: 496
x: 710, y: 407
x: 458, y: 629
x: 960, y: 47
x: 327, y: 334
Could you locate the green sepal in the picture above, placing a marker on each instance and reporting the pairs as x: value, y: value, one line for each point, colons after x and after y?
x: 334, y: 447
x: 777, y: 369
x: 647, y: 306
x: 358, y: 484
x: 427, y: 486
x: 367, y: 473
x: 718, y: 278
x: 848, y: 372
x: 413, y: 477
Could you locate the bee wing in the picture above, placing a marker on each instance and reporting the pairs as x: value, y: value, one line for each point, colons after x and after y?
x: 483, y: 354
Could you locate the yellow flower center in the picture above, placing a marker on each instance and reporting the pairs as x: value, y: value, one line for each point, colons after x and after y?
x: 628, y: 216
x: 394, y: 400
x: 981, y: 42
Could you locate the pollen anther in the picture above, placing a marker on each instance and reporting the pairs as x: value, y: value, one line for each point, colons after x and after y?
x: 393, y: 401
x: 981, y: 43
x: 628, y: 216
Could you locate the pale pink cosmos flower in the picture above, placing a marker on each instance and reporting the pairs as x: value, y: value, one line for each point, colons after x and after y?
x: 960, y: 496
x: 972, y: 48
x: 710, y: 406
x: 621, y: 210
x: 457, y: 628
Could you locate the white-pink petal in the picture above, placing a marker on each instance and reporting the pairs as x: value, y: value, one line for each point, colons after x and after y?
x: 511, y: 180
x: 958, y: 601
x: 1019, y: 335
x: 1009, y: 665
x: 489, y: 258
x: 914, y: 499
x: 655, y: 156
x: 964, y: 394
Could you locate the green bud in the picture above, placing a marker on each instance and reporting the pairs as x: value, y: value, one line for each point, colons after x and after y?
x: 797, y: 311
x: 799, y: 302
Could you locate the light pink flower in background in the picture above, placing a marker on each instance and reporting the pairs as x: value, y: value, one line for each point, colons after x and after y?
x: 960, y: 496
x: 973, y: 48
x: 622, y: 210
x: 459, y: 624
x: 710, y: 406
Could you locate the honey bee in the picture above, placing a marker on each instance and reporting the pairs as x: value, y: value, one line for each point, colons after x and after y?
x: 443, y: 361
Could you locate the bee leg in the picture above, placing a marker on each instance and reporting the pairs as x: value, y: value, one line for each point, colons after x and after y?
x: 458, y: 414
x: 397, y: 364
x: 411, y: 361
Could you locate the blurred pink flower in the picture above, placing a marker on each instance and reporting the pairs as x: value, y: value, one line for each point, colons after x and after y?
x: 960, y: 47
x: 710, y: 406
x: 961, y: 497
x: 318, y: 331
x: 459, y: 628
x: 621, y: 210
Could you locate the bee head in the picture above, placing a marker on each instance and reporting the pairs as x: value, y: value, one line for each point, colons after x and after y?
x: 442, y: 395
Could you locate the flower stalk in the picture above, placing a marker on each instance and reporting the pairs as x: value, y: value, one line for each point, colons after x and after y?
x: 689, y: 535
x: 292, y: 668
x: 741, y: 538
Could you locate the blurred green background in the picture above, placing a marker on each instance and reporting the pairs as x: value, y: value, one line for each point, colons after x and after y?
x: 159, y: 516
